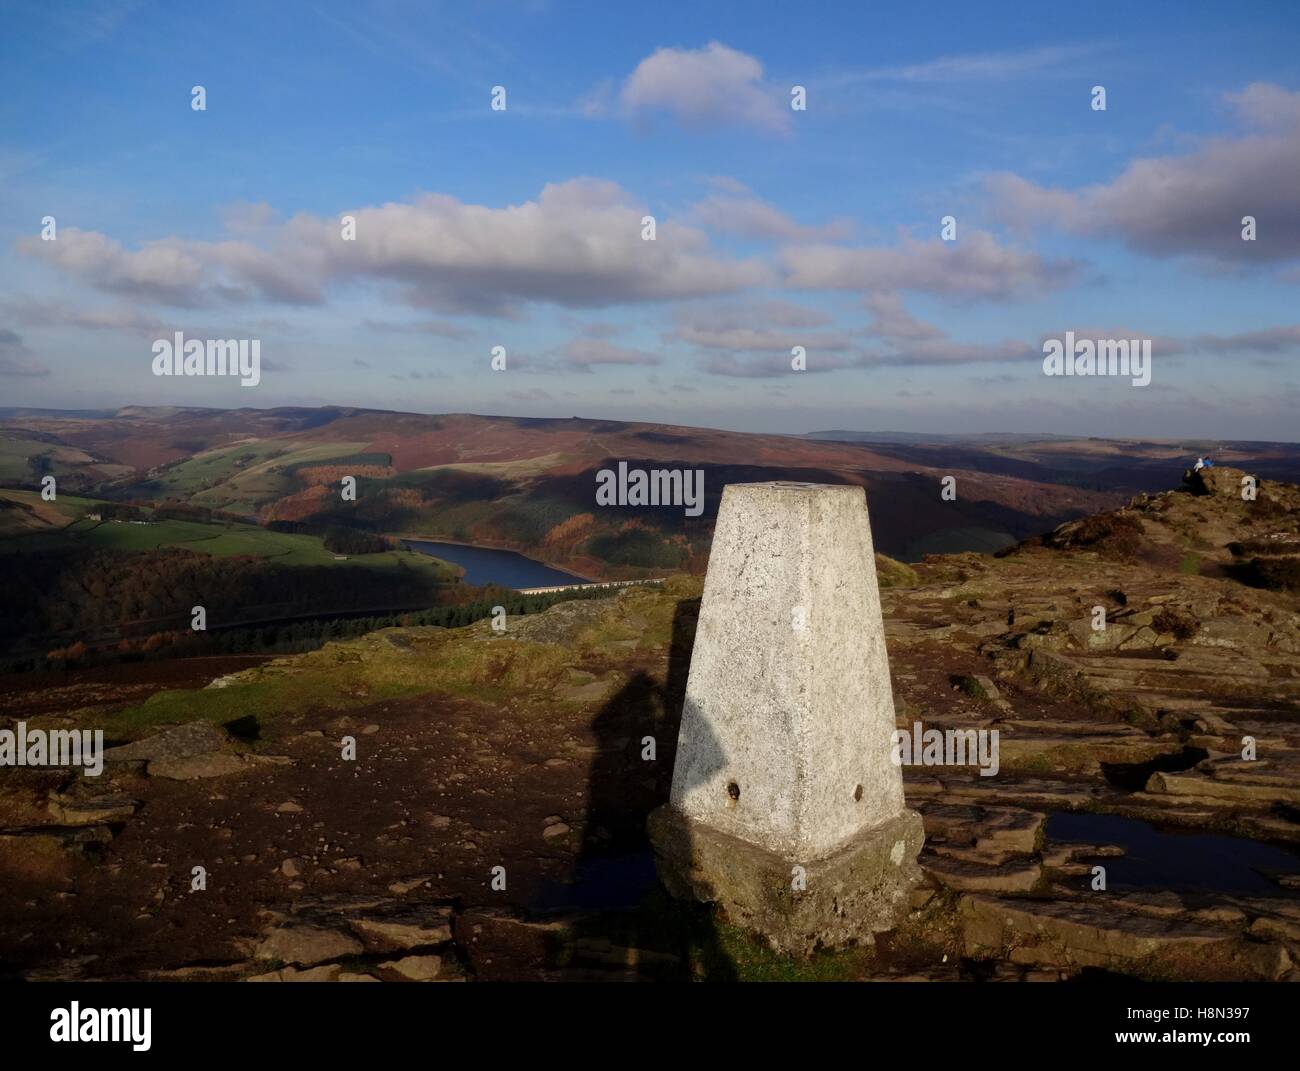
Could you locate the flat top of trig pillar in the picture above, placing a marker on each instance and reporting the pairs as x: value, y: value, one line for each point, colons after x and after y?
x: 796, y: 485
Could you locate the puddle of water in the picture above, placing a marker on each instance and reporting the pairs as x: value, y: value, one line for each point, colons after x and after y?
x: 1174, y: 860
x: 613, y: 883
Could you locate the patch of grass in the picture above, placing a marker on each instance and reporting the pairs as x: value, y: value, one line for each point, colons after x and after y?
x: 895, y: 574
x: 70, y: 506
x: 23, y: 460
x: 749, y: 959
x: 971, y: 687
x: 1190, y: 565
x: 263, y: 699
x: 1038, y: 764
x: 471, y: 662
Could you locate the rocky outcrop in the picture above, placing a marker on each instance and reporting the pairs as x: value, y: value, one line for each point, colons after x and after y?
x: 184, y: 753
x: 339, y: 940
x: 1218, y: 480
x: 1073, y: 935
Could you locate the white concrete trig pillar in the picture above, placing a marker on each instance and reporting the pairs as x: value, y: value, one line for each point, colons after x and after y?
x: 783, y: 757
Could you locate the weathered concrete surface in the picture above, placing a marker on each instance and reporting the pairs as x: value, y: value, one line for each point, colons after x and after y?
x: 783, y: 758
x: 860, y: 889
x: 788, y: 718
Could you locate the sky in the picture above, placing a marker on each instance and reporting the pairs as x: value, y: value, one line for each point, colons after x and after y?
x: 775, y: 227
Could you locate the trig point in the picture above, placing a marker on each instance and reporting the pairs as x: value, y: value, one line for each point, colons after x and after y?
x: 786, y: 809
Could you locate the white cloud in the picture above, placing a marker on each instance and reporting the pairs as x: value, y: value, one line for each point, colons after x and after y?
x: 582, y: 353
x: 756, y: 339
x: 175, y: 271
x: 704, y: 87
x: 752, y: 217
x: 974, y: 266
x: 911, y: 341
x: 577, y: 245
x: 1188, y: 205
x: 755, y: 327
x: 894, y: 322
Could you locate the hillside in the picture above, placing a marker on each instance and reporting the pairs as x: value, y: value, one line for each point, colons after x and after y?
x: 525, y: 484
x: 127, y: 583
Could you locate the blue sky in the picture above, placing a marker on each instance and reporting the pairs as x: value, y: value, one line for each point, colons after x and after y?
x: 522, y: 228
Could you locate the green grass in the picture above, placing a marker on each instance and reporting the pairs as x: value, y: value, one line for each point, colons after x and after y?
x: 182, y: 480
x: 13, y: 523
x: 264, y: 699
x: 71, y: 506
x: 1190, y: 565
x: 15, y: 454
x: 352, y: 673
x: 468, y: 662
x: 752, y: 960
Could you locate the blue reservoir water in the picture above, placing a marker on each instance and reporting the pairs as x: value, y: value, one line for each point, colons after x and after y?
x: 483, y: 565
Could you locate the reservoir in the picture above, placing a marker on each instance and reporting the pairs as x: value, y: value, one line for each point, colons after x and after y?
x: 483, y: 565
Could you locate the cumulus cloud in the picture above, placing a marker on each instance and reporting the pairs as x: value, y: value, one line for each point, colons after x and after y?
x: 159, y: 270
x: 751, y: 217
x: 908, y: 340
x: 46, y: 312
x: 577, y: 245
x: 705, y: 87
x: 248, y: 217
x: 583, y: 353
x: 725, y: 334
x: 1191, y: 204
x: 50, y: 313
x: 178, y: 272
x: 786, y: 313
x: 1262, y: 104
x: 893, y: 322
x: 977, y: 265
x: 762, y: 327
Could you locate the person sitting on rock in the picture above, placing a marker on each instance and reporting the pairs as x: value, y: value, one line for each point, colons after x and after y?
x: 1209, y: 462
x: 1200, y: 464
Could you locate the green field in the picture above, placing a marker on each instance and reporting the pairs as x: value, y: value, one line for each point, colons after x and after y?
x: 16, y: 455
x: 62, y: 511
x: 241, y: 477
x: 219, y: 539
